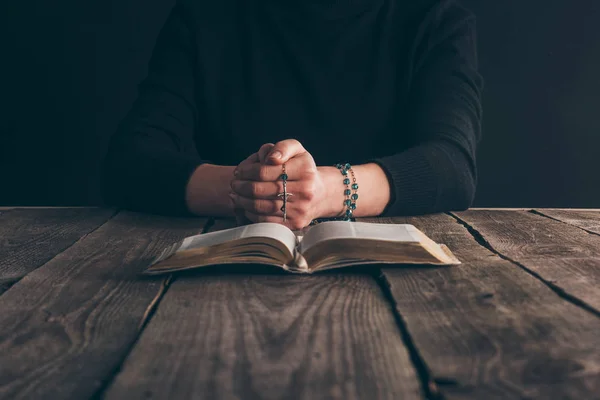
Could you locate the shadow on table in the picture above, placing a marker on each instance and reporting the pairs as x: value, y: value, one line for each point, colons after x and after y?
x: 258, y: 269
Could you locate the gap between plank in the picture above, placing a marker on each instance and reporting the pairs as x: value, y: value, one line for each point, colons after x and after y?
x: 541, y: 214
x: 555, y: 288
x: 13, y: 281
x: 428, y: 385
x: 148, y: 314
x: 154, y: 303
x: 6, y: 284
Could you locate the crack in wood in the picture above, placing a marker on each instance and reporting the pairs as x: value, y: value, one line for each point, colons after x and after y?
x: 429, y: 384
x: 146, y: 318
x: 6, y: 284
x: 549, y: 283
x: 541, y: 214
x: 154, y: 304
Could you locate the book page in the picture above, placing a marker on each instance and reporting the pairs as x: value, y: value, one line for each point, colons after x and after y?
x: 358, y: 230
x: 265, y: 229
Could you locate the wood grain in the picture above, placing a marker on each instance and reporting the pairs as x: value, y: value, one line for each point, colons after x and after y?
x: 489, y: 330
x: 563, y: 256
x: 9, y: 208
x: 29, y: 238
x: 270, y: 336
x: 65, y: 327
x: 587, y: 220
x: 531, y: 208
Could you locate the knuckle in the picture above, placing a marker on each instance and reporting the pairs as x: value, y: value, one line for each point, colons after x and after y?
x: 309, y: 172
x: 257, y: 190
x: 265, y: 206
x: 266, y: 146
x: 301, y: 212
x: 309, y: 161
x: 257, y: 206
x: 310, y: 191
x: 273, y: 207
x: 309, y: 169
x: 263, y: 172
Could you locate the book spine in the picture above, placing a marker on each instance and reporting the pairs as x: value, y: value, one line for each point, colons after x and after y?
x: 298, y: 264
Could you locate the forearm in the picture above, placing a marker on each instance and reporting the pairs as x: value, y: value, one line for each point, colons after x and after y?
x: 373, y: 190
x: 207, y: 191
x: 432, y: 177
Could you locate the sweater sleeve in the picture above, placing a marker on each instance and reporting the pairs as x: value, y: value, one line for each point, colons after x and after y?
x: 152, y: 155
x: 438, y: 173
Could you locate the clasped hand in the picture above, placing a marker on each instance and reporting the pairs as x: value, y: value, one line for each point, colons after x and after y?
x: 257, y: 183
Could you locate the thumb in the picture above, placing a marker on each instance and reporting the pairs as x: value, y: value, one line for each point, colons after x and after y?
x: 283, y: 151
x: 263, y: 152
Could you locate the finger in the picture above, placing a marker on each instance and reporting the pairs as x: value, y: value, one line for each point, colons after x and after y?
x: 262, y: 218
x: 263, y: 152
x: 297, y: 168
x: 259, y: 172
x: 258, y: 190
x: 267, y: 190
x: 290, y: 223
x: 258, y: 206
x: 284, y: 151
x: 269, y: 218
x: 251, y: 159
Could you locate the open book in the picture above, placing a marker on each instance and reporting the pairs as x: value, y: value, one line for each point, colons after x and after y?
x: 328, y: 245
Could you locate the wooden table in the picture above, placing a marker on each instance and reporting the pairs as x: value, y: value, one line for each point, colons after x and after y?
x: 520, y: 318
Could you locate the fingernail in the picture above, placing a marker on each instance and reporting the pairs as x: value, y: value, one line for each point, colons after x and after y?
x: 276, y: 154
x: 236, y: 172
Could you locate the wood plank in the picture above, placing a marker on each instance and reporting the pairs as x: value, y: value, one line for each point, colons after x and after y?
x: 559, y: 254
x: 5, y: 208
x: 270, y: 336
x: 532, y: 208
x: 65, y: 327
x: 29, y: 238
x: 8, y: 208
x: 589, y: 221
x: 489, y: 330
x: 6, y: 284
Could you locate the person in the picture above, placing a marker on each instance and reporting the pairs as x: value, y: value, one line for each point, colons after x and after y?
x: 239, y: 89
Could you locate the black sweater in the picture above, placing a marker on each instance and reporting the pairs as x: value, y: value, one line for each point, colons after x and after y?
x: 388, y: 81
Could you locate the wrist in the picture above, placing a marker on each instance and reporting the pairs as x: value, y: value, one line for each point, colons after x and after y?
x: 333, y: 204
x: 375, y: 190
x: 207, y: 191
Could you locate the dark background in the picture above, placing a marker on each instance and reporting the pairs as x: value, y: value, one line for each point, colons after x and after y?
x: 70, y: 70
